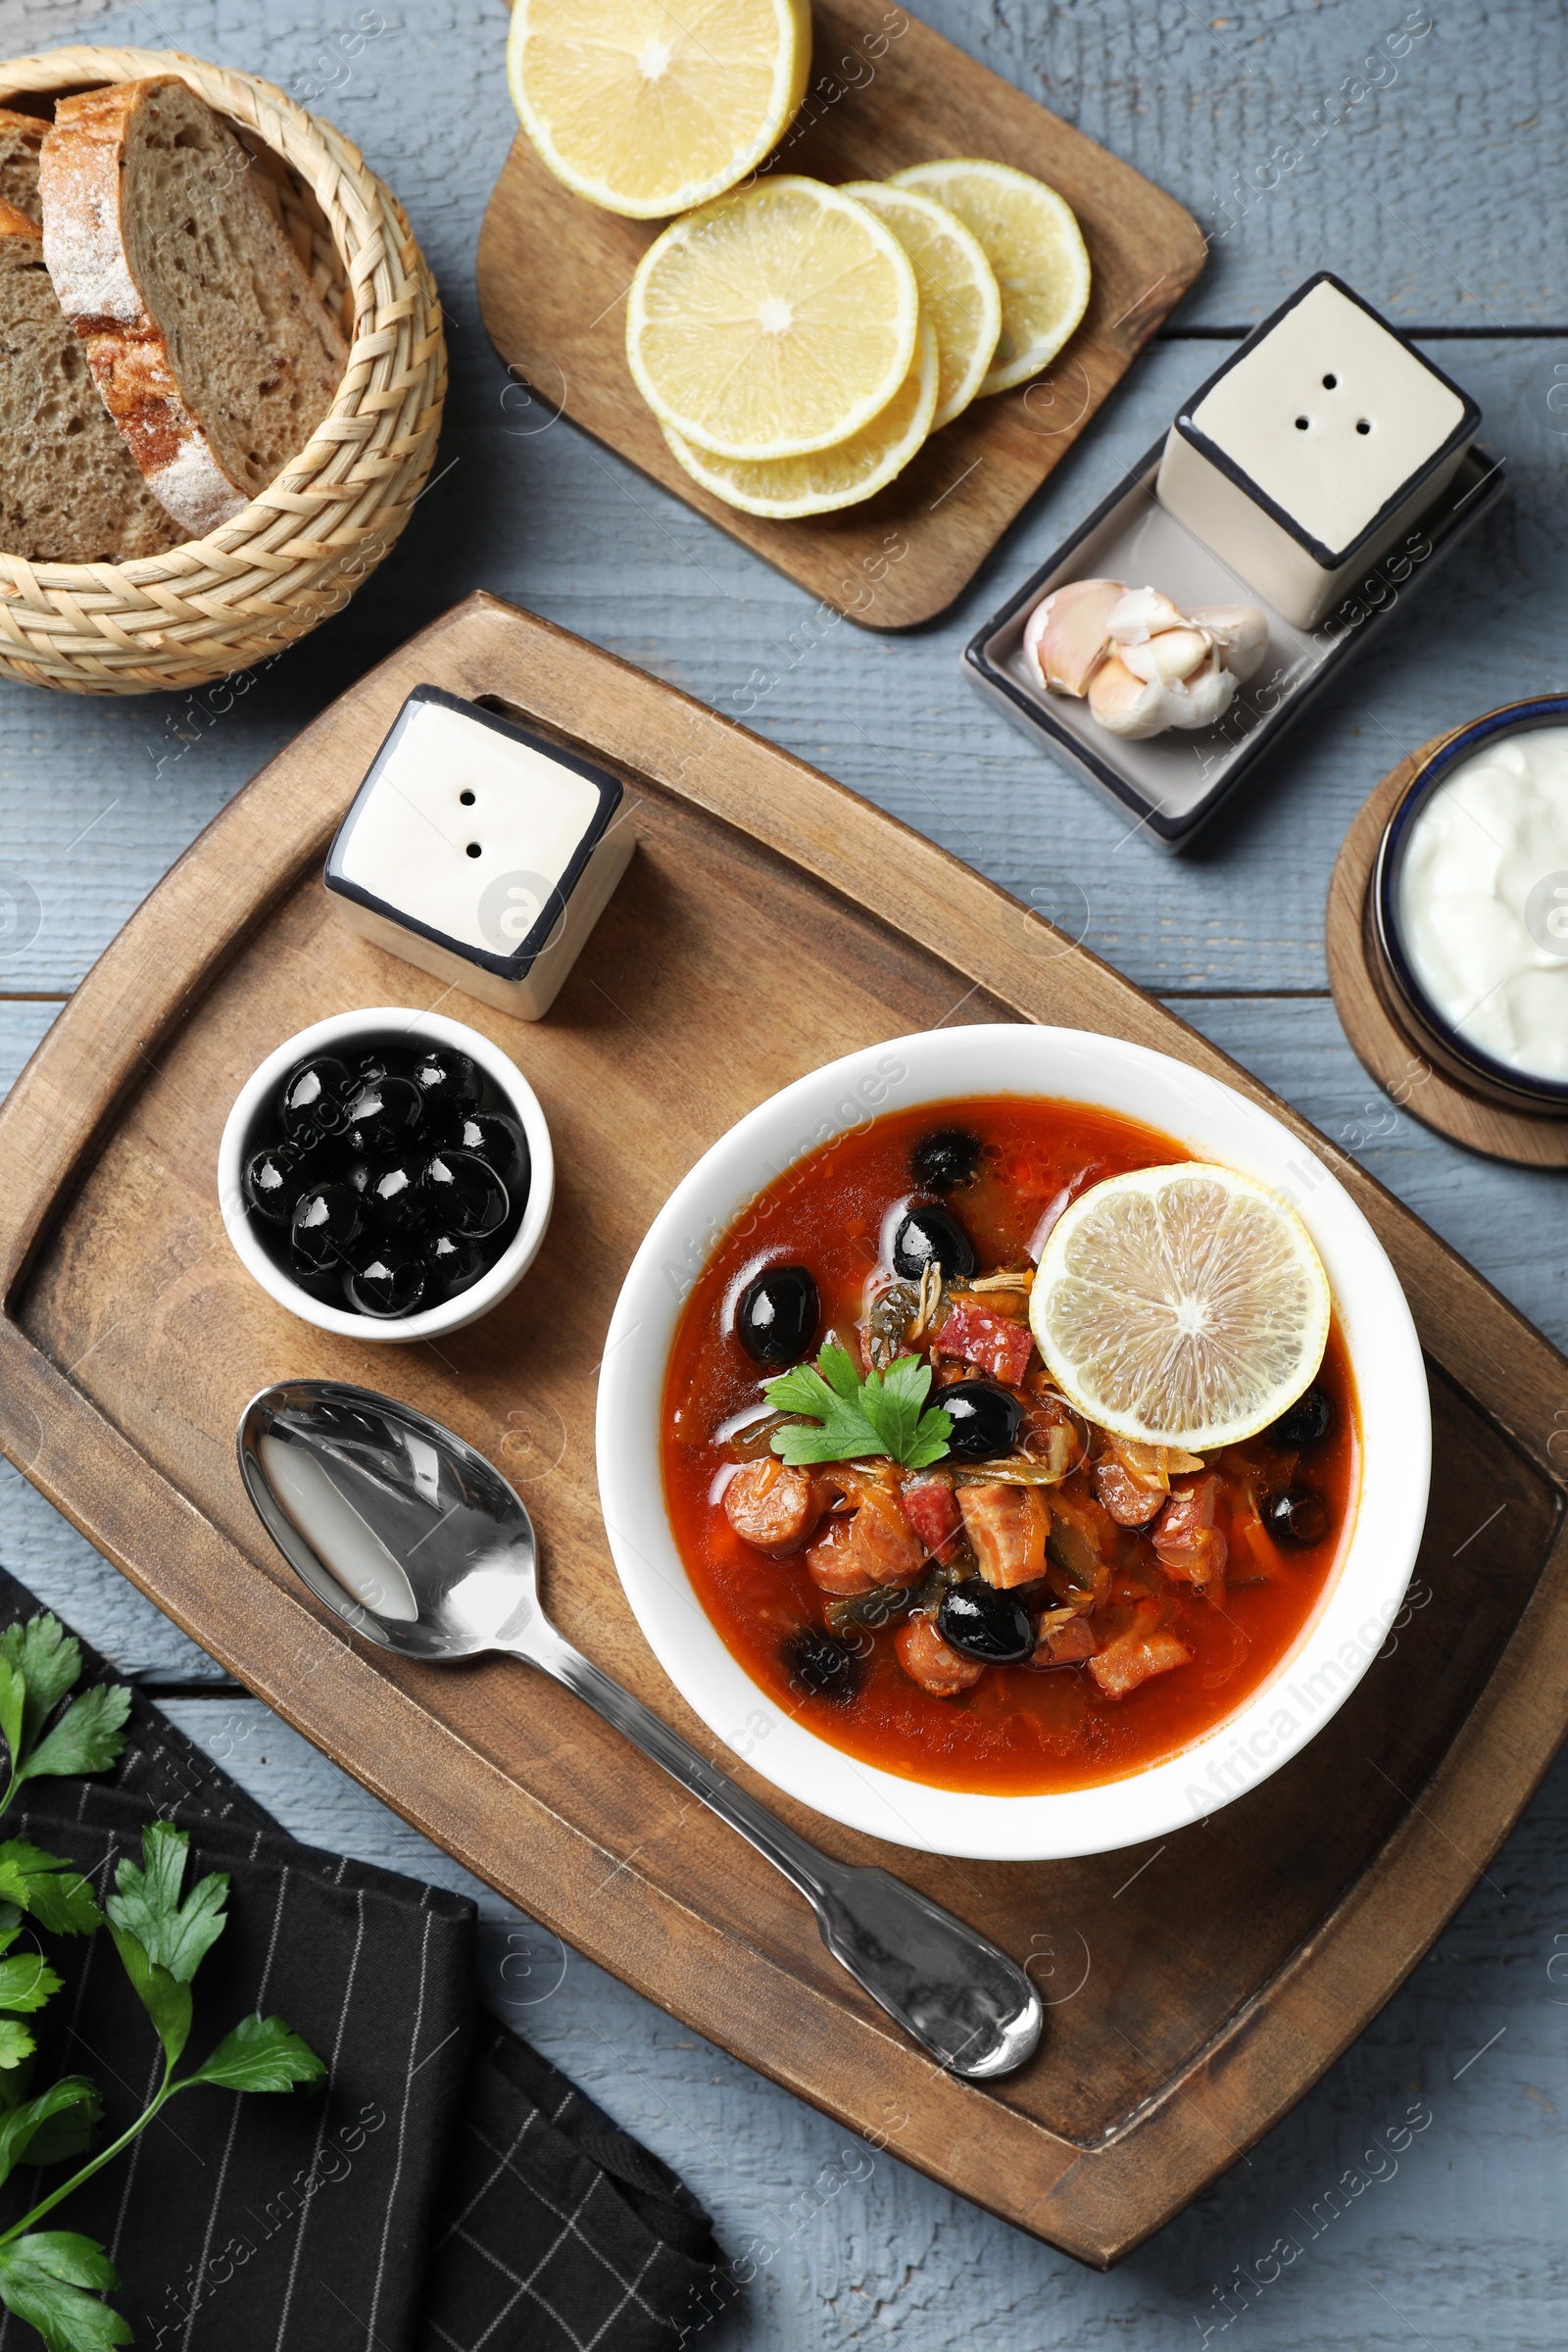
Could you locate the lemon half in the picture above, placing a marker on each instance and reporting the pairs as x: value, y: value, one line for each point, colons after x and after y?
x: 1181, y: 1306
x: 773, y: 323
x: 958, y: 291
x: 646, y: 111
x: 829, y: 478
x: 1033, y: 242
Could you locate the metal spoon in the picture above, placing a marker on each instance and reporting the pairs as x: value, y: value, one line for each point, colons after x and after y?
x: 435, y: 1556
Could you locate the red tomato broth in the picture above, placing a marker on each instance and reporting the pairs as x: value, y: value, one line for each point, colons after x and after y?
x: 1022, y: 1730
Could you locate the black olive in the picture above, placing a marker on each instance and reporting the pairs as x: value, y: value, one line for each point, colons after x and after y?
x: 1308, y: 1421
x: 323, y: 1282
x: 822, y: 1667
x: 393, y: 1199
x: 273, y: 1180
x: 463, y: 1194
x: 985, y: 1420
x: 313, y: 1099
x: 778, y: 1314
x: 1297, y: 1515
x: 383, y: 1116
x: 945, y: 1160
x: 328, y: 1218
x: 454, y: 1261
x: 387, y: 1281
x: 930, y: 1233
x: 979, y: 1622
x: 499, y: 1142
x: 449, y: 1081
x: 382, y: 1062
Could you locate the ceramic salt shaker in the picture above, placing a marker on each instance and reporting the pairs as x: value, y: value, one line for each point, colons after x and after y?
x: 480, y: 852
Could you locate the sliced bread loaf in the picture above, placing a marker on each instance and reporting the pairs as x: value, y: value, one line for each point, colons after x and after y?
x: 210, y: 345
x: 69, y: 490
x: 20, y: 137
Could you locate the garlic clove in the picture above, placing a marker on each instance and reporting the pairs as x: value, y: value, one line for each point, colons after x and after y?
x: 1174, y: 654
x: 1199, y: 701
x: 1143, y: 612
x: 1128, y: 706
x: 1239, y: 631
x: 1065, y: 634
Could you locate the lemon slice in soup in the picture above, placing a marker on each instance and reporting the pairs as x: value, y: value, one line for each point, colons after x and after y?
x: 1181, y: 1306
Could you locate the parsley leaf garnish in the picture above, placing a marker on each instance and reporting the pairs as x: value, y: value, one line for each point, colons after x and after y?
x: 857, y: 1418
x: 39, y: 1662
x: 53, y: 2279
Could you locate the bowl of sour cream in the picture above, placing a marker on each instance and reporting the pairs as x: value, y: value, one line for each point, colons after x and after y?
x: 1470, y: 899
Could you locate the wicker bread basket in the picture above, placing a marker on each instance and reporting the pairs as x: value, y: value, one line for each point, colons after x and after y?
x: 299, y: 551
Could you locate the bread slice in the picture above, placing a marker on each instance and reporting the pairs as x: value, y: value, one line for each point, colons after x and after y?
x: 210, y: 345
x: 69, y: 490
x: 20, y: 137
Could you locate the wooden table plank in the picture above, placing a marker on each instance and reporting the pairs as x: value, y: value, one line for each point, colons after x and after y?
x: 1458, y: 2246
x: 1420, y: 154
x: 556, y: 524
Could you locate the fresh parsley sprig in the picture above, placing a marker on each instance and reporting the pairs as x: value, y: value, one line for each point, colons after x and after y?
x: 858, y: 1419
x: 53, y: 2279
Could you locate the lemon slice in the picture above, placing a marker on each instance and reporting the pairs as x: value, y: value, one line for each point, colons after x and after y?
x: 959, y: 290
x: 1181, y: 1306
x: 1033, y: 243
x: 828, y: 478
x: 646, y: 111
x: 773, y: 323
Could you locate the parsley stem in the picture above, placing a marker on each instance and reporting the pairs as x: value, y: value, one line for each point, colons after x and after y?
x: 166, y: 2092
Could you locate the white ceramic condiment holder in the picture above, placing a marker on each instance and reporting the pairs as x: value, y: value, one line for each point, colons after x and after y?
x: 479, y: 852
x: 1302, y: 460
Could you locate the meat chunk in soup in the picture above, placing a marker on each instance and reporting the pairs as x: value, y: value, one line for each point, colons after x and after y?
x: 874, y: 1547
x: 1145, y: 1649
x: 927, y: 1659
x: 931, y: 1508
x: 1007, y: 1527
x: 999, y: 1344
x: 1066, y: 1639
x: 1130, y: 1484
x: 1187, y: 1543
x: 771, y: 1505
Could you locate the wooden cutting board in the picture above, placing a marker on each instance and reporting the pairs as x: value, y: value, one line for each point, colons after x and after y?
x: 884, y: 92
x: 768, y: 922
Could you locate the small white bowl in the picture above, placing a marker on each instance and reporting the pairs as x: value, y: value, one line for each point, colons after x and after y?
x: 1353, y: 1616
x: 325, y: 1037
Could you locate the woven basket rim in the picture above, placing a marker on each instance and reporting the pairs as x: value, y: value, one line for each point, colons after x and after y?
x: 324, y: 157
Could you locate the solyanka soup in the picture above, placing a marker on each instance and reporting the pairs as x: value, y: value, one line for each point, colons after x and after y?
x: 1028, y: 1603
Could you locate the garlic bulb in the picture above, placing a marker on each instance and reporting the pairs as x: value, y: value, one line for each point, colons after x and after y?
x: 1141, y: 614
x: 1239, y: 631
x: 1066, y: 635
x: 1127, y: 704
x: 1199, y: 701
x: 1174, y: 654
x: 1143, y: 664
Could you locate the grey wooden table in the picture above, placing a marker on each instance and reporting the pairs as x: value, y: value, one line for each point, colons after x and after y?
x: 1424, y: 156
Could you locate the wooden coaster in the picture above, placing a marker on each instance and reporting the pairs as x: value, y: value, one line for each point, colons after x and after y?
x: 886, y: 91
x: 1405, y: 1062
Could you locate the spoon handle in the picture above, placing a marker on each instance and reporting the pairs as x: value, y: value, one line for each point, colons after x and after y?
x: 964, y: 2002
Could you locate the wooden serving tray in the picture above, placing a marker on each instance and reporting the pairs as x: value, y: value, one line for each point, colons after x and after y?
x: 1406, y: 1065
x: 768, y: 922
x: 884, y: 92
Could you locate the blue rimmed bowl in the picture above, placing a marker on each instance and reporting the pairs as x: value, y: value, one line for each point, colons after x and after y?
x: 1457, y: 1054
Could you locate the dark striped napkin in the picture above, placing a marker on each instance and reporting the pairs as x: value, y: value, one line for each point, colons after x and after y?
x: 448, y: 2191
